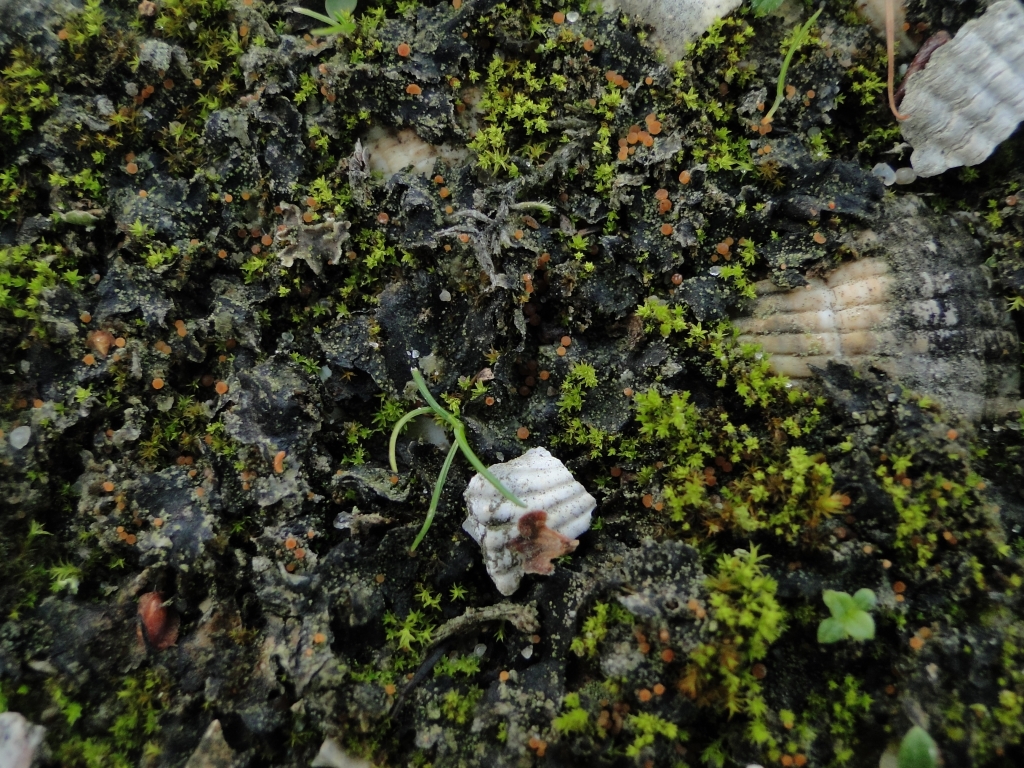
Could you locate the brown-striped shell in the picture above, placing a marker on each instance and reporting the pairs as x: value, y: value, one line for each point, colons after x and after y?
x: 918, y: 308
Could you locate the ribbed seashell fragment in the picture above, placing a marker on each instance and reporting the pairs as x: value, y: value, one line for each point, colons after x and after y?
x: 970, y: 97
x: 921, y: 312
x: 519, y: 540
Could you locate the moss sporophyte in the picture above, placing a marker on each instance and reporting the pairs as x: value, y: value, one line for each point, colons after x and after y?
x: 459, y: 433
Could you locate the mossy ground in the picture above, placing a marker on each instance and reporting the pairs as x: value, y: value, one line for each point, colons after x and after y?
x: 169, y: 345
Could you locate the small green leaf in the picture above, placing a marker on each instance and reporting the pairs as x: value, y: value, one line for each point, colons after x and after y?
x: 763, y: 7
x: 918, y: 750
x: 865, y: 599
x: 831, y: 631
x: 859, y: 625
x: 839, y: 603
x: 337, y: 8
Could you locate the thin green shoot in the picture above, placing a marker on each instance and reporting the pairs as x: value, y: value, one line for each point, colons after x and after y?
x: 338, y: 17
x: 435, y: 498
x: 459, y: 431
x: 398, y: 428
x: 461, y: 443
x: 800, y: 37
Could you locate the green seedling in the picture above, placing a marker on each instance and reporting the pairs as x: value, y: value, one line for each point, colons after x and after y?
x: 764, y: 7
x: 800, y: 36
x: 918, y: 750
x: 338, y: 18
x: 459, y: 433
x: 851, y: 617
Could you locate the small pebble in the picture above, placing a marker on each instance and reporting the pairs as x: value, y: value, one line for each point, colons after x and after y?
x: 885, y: 173
x: 906, y: 176
x: 572, y: 17
x: 445, y: 295
x: 19, y: 437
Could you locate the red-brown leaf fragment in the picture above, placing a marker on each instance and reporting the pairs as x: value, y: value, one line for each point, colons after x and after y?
x: 539, y: 545
x: 158, y: 625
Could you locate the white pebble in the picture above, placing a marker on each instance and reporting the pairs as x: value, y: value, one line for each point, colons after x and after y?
x: 885, y: 173
x: 19, y: 437
x: 527, y: 652
x: 572, y: 17
x: 445, y: 295
x: 906, y: 176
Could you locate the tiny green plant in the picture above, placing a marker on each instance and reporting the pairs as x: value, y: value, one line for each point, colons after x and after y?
x: 851, y: 617
x: 800, y: 36
x: 918, y: 750
x: 764, y: 7
x: 338, y: 19
x: 459, y: 433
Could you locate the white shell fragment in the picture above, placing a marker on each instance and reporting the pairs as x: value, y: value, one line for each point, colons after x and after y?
x: 675, y: 22
x: 20, y: 740
x: 921, y: 312
x: 970, y: 97
x: 884, y: 172
x: 391, y: 151
x: 517, y: 540
x: 19, y: 437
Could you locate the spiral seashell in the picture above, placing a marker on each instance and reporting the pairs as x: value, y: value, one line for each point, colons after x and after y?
x: 519, y: 540
x: 970, y: 97
x: 921, y: 312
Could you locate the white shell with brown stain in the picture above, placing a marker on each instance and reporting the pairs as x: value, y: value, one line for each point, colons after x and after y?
x: 518, y: 540
x: 970, y: 97
x: 921, y: 311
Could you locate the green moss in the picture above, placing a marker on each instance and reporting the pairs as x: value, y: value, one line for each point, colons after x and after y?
x: 724, y: 473
x: 574, y: 719
x: 26, y: 272
x: 26, y: 94
x: 595, y: 628
x: 749, y: 619
x: 647, y: 726
x: 933, y: 502
x: 458, y: 706
x: 514, y: 112
x: 840, y: 711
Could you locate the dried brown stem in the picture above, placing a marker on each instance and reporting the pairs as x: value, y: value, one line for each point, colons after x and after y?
x: 890, y: 50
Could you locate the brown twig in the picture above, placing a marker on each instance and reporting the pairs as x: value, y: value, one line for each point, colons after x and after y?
x: 890, y: 50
